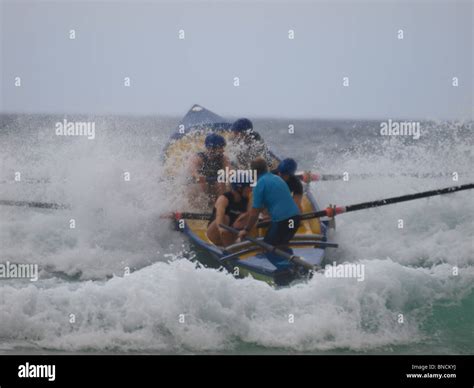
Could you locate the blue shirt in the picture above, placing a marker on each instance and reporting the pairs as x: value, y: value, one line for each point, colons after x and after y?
x: 272, y: 192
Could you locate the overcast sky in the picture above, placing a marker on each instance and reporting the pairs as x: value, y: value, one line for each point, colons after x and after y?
x: 279, y: 77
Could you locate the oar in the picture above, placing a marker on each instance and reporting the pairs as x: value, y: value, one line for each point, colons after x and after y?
x: 187, y: 216
x: 29, y: 181
x: 199, y: 216
x: 272, y: 249
x: 308, y: 176
x: 193, y: 216
x: 313, y: 177
x: 41, y: 205
x: 332, y: 211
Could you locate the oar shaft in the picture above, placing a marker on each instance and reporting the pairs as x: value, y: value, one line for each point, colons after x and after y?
x: 408, y: 197
x: 191, y: 216
x: 40, y: 205
x: 262, y: 244
x: 29, y: 181
x: 199, y: 216
x: 331, y: 212
x: 336, y: 177
x: 270, y: 248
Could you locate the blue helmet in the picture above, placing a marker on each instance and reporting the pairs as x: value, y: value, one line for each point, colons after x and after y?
x: 213, y: 140
x: 239, y: 185
x: 241, y: 125
x: 287, y: 166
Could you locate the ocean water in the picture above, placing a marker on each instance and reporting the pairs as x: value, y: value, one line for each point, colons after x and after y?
x: 408, y: 271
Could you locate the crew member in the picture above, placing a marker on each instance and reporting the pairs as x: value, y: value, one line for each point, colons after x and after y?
x: 273, y: 194
x: 230, y: 209
x: 286, y: 170
x: 205, y: 165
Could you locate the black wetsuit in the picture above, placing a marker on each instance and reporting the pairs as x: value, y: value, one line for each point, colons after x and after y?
x: 234, y: 209
x: 294, y: 184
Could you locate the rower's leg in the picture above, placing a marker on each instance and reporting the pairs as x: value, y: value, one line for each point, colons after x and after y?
x: 241, y: 222
x: 272, y: 235
x: 227, y: 238
x: 280, y: 233
x: 290, y: 232
x: 220, y: 238
x: 213, y: 233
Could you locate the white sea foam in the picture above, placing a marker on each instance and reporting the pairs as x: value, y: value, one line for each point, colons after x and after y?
x: 141, y: 312
x: 407, y: 271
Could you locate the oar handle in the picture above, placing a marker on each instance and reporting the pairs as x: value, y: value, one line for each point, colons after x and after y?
x: 270, y: 248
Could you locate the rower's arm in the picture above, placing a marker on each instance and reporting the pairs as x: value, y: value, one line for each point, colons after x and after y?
x: 257, y: 206
x: 195, y: 167
x: 297, y: 188
x: 298, y: 198
x: 253, y: 218
x: 221, y: 204
x: 249, y: 206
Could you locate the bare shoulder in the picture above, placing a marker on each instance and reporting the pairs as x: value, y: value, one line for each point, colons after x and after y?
x: 222, y: 201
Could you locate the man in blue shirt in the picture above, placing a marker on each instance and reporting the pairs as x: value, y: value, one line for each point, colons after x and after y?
x: 272, y: 193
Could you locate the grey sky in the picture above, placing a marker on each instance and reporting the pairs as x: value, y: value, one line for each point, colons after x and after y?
x: 279, y: 77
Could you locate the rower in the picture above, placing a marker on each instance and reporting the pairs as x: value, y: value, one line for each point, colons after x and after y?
x: 286, y: 170
x: 230, y: 209
x: 272, y: 193
x: 205, y: 165
x: 247, y: 143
